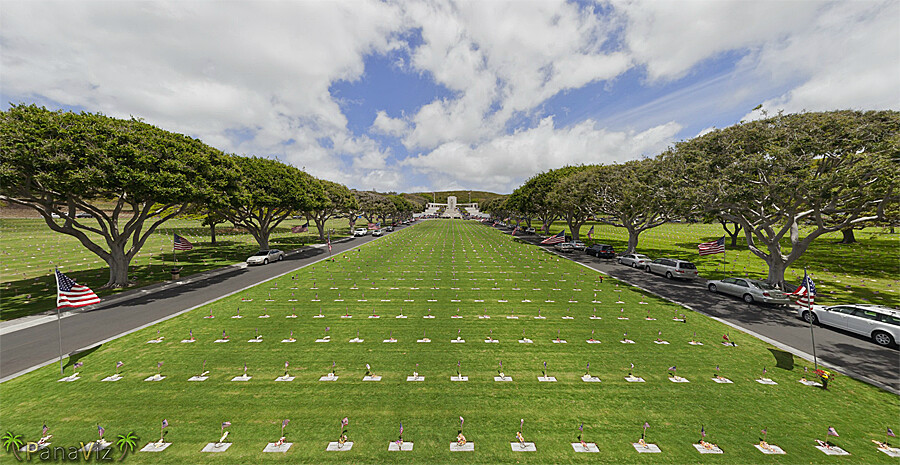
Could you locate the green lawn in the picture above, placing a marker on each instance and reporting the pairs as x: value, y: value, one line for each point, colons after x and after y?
x: 866, y: 272
x: 30, y: 250
x: 485, y: 266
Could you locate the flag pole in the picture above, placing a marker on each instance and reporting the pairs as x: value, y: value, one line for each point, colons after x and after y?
x: 59, y: 324
x: 812, y: 334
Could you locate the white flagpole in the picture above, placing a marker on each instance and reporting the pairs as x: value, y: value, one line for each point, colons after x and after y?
x: 59, y: 324
x: 809, y: 309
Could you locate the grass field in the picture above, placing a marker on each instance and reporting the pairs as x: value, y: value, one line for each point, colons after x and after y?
x: 866, y: 272
x: 30, y: 250
x: 425, y: 270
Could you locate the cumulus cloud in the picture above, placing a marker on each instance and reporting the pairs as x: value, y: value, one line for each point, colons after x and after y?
x: 384, y: 124
x: 504, y: 162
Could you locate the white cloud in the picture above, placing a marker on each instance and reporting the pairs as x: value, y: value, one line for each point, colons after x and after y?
x: 384, y: 124
x: 502, y: 163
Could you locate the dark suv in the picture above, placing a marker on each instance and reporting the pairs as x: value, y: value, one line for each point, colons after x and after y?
x: 601, y: 251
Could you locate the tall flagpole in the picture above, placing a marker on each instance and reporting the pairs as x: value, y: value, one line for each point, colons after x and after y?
x: 59, y: 323
x: 812, y: 334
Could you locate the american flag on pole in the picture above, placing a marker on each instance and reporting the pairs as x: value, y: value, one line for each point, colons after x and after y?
x: 72, y: 294
x: 372, y: 226
x: 182, y: 243
x: 709, y: 248
x: 559, y: 238
x: 590, y: 233
x: 806, y: 292
x: 300, y: 229
x: 329, y: 243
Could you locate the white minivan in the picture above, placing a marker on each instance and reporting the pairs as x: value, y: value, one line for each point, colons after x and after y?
x: 882, y: 324
x: 360, y: 232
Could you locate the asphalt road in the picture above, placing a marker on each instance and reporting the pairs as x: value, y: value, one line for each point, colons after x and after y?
x: 848, y: 353
x: 26, y: 348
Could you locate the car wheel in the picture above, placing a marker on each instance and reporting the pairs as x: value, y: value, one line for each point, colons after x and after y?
x: 647, y: 269
x: 620, y: 261
x: 748, y: 298
x: 668, y: 275
x: 266, y: 261
x: 882, y: 338
x: 810, y: 317
x: 280, y: 258
x: 712, y: 288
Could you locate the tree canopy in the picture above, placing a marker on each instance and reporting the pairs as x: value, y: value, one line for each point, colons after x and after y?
x: 62, y: 163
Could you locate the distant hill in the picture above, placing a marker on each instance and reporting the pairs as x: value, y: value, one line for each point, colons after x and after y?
x: 461, y: 196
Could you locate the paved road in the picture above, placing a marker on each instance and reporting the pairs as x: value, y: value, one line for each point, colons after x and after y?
x: 26, y: 348
x: 848, y: 353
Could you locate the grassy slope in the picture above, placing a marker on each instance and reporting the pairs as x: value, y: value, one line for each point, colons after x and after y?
x: 30, y: 250
x: 868, y: 271
x: 424, y: 257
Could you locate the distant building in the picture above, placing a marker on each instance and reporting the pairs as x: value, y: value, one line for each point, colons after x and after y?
x: 451, y: 209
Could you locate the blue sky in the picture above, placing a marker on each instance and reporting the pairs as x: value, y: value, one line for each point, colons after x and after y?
x: 419, y: 96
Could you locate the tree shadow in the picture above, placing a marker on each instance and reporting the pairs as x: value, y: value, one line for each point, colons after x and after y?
x: 783, y: 360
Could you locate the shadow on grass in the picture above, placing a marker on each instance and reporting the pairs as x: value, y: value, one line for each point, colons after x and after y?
x: 78, y: 355
x: 783, y: 360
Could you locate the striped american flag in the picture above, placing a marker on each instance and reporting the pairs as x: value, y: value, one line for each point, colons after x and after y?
x: 301, y: 229
x: 709, y: 248
x: 559, y: 238
x: 72, y: 294
x: 806, y: 292
x: 182, y: 243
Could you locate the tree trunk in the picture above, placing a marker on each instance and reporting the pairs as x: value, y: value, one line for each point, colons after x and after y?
x: 118, y: 263
x: 264, y: 238
x: 849, y: 236
x: 212, y: 233
x: 632, y: 240
x: 777, y: 267
x: 320, y: 225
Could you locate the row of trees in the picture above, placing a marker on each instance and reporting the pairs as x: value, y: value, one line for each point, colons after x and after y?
x: 132, y: 177
x: 822, y: 172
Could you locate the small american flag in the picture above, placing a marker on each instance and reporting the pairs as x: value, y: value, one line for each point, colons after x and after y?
x: 72, y: 294
x: 806, y: 292
x: 182, y: 243
x: 165, y: 423
x: 45, y: 429
x: 559, y: 238
x: 119, y: 364
x: 101, y: 430
x: 890, y: 432
x: 300, y: 229
x: 226, y: 424
x: 709, y: 248
x: 78, y: 365
x: 702, y: 431
x: 283, y: 423
x: 345, y: 421
x: 832, y: 431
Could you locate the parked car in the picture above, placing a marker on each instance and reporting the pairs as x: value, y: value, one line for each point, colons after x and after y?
x: 672, y: 268
x: 634, y: 260
x: 263, y: 257
x: 389, y: 228
x: 565, y: 247
x: 751, y: 290
x: 578, y: 245
x: 83, y: 215
x: 378, y: 233
x: 601, y: 251
x: 360, y: 232
x: 529, y: 230
x: 880, y: 323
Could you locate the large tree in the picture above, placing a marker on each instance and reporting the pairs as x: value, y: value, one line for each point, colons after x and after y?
x: 337, y: 199
x: 130, y: 176
x: 637, y: 195
x: 572, y: 200
x: 796, y: 177
x: 270, y: 191
x: 532, y: 198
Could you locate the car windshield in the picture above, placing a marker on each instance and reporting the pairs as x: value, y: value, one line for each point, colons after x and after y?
x: 641, y: 257
x: 262, y: 254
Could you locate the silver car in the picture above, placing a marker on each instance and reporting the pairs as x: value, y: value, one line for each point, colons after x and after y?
x: 263, y: 257
x: 672, y: 268
x: 750, y: 290
x: 634, y: 260
x: 882, y: 324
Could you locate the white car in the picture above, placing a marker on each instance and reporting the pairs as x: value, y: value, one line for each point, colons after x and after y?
x: 672, y: 268
x: 263, y: 257
x: 882, y: 324
x: 378, y: 232
x: 634, y: 260
x: 360, y: 232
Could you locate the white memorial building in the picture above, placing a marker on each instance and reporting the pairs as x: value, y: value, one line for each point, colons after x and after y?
x: 451, y: 209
